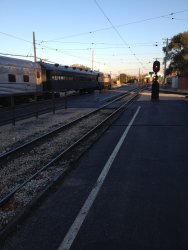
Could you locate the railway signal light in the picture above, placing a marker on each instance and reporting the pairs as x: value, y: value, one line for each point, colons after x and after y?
x: 156, y: 66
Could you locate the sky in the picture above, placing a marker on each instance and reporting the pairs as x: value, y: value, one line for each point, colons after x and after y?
x: 113, y: 36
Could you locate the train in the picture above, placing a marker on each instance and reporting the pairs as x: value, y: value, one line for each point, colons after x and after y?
x: 105, y: 80
x: 24, y: 78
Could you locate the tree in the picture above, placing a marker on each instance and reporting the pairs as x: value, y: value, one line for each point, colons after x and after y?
x: 80, y: 66
x: 123, y: 77
x: 177, y: 53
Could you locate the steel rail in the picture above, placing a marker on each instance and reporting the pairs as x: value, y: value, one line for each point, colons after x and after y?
x: 31, y: 113
x: 4, y: 200
x: 15, y: 150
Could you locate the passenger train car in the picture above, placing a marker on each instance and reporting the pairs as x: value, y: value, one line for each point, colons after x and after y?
x: 105, y: 80
x: 18, y: 76
x: 60, y: 78
x: 22, y: 77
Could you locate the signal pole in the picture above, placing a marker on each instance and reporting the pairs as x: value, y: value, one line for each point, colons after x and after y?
x: 155, y: 84
x: 34, y: 47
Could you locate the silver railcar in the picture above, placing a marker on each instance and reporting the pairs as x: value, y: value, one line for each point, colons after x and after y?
x: 19, y: 76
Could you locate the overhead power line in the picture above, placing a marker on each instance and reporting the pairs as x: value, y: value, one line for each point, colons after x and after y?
x: 9, y: 54
x: 118, y: 33
x: 16, y: 37
x: 119, y: 26
x: 174, y: 18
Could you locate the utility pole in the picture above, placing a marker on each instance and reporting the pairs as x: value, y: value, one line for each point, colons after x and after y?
x: 165, y: 60
x: 92, y: 59
x: 139, y: 76
x: 34, y: 47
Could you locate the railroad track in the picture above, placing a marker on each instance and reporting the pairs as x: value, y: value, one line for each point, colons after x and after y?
x: 29, y: 168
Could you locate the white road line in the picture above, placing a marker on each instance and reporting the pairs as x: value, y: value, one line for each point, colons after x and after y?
x: 74, y: 229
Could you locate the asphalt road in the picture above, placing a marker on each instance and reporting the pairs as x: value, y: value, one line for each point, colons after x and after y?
x: 142, y: 202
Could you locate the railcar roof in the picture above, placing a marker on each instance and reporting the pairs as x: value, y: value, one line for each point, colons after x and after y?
x: 10, y: 61
x: 57, y: 67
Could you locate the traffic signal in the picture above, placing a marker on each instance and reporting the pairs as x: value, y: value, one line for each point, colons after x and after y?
x: 156, y: 66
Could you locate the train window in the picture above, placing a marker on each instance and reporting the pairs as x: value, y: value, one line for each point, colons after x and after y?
x: 84, y: 79
x: 38, y: 74
x: 11, y: 78
x: 26, y: 78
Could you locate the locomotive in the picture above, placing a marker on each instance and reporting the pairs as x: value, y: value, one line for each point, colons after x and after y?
x: 25, y: 78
